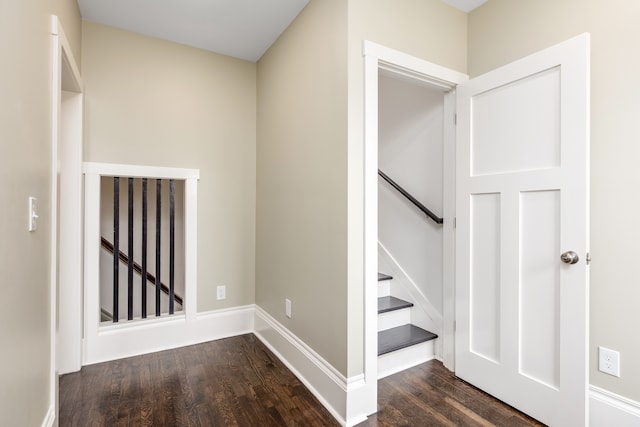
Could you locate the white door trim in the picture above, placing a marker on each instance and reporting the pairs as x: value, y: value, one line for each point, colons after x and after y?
x: 377, y: 57
x: 66, y: 151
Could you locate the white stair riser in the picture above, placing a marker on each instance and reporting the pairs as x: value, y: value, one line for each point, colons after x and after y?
x: 405, y: 358
x: 384, y: 288
x: 391, y: 319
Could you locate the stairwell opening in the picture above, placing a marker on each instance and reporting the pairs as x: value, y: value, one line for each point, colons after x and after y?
x: 411, y: 131
x: 142, y: 248
x: 133, y: 334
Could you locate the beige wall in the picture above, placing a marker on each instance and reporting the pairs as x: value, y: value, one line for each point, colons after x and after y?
x: 427, y: 29
x: 310, y: 133
x: 504, y: 30
x: 25, y: 135
x: 152, y: 102
x: 69, y: 15
x: 302, y: 167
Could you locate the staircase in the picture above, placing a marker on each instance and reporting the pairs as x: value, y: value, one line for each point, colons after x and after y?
x: 401, y: 345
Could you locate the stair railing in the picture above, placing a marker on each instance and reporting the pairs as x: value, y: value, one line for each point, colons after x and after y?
x: 150, y: 278
x: 412, y: 199
x: 128, y: 258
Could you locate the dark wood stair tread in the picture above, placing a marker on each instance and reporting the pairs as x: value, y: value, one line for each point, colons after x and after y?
x: 402, y: 336
x: 386, y: 304
x: 382, y: 277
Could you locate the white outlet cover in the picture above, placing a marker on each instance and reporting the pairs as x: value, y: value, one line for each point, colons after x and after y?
x: 221, y: 292
x: 609, y: 361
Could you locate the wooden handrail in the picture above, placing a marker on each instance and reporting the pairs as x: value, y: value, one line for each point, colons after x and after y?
x: 412, y: 199
x: 138, y: 269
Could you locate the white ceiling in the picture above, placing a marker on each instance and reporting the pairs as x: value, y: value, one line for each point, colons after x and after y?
x: 465, y: 5
x: 240, y: 28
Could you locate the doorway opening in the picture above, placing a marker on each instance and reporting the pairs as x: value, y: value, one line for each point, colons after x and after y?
x: 386, y: 68
x: 411, y: 126
x: 521, y: 199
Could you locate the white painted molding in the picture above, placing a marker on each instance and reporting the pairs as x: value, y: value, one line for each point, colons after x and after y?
x: 49, y: 418
x: 146, y: 336
x: 69, y: 60
x: 331, y: 387
x: 609, y: 409
x: 139, y: 171
x: 65, y: 214
x: 411, y: 67
x: 318, y: 375
x: 399, y: 64
x: 100, y: 342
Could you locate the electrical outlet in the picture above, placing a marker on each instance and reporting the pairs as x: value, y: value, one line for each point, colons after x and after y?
x: 287, y: 308
x: 609, y: 361
x: 221, y: 292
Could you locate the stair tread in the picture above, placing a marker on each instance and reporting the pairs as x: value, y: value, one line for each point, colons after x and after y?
x: 402, y: 336
x: 389, y: 303
x: 382, y: 277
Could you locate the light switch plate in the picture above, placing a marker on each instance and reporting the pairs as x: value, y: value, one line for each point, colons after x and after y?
x: 33, y: 214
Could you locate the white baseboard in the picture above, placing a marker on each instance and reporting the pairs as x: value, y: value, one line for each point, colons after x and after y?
x: 147, y: 336
x: 49, y: 418
x: 609, y: 409
x: 329, y: 386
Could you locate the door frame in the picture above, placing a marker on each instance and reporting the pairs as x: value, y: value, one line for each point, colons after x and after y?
x: 407, y: 67
x: 66, y: 209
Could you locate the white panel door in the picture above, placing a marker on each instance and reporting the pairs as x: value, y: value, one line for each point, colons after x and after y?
x: 522, y: 191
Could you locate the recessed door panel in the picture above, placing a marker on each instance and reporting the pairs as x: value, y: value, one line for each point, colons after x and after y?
x: 516, y: 127
x: 539, y: 302
x: 485, y: 275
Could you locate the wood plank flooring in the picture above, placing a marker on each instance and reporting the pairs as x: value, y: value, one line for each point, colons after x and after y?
x: 430, y: 395
x: 239, y: 382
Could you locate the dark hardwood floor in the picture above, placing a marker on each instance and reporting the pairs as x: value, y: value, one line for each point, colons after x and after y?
x: 430, y: 395
x: 239, y: 382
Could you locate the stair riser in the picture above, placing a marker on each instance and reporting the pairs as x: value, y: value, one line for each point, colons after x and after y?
x: 394, y: 318
x: 384, y: 288
x: 399, y: 360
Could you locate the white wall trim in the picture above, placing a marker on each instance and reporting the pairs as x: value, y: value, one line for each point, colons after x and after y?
x: 66, y: 149
x: 49, y: 417
x: 609, y: 409
x: 319, y: 376
x: 322, y: 379
x: 142, y: 337
x: 100, y: 344
x: 139, y: 171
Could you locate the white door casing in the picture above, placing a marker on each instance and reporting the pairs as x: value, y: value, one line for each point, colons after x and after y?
x: 522, y: 199
x: 66, y: 212
x: 416, y: 70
